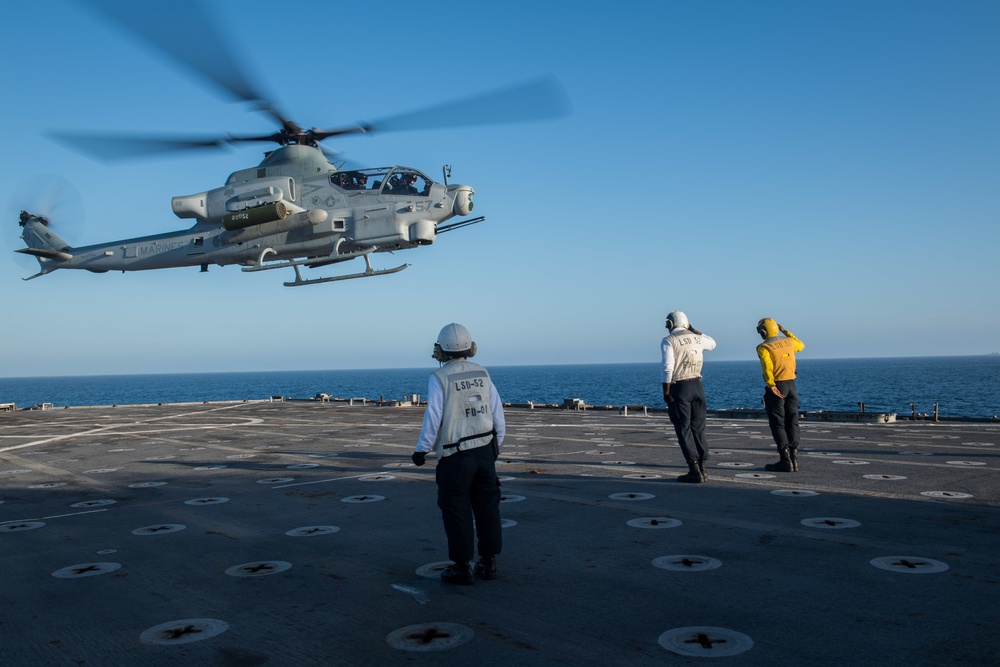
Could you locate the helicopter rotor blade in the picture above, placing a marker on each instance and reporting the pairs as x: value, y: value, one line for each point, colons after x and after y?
x: 117, y: 147
x: 184, y: 32
x: 51, y: 197
x: 535, y: 99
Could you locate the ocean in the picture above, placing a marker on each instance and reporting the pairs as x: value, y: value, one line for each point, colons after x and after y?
x: 966, y: 387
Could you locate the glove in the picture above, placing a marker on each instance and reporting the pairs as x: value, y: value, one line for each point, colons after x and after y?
x: 419, y: 458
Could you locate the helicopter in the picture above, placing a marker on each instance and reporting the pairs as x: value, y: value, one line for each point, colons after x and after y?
x: 296, y: 208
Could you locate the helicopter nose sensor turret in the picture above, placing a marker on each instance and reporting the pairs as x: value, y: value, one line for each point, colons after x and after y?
x: 463, y: 198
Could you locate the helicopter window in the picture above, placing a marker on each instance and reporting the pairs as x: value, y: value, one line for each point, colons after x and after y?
x: 408, y: 182
x: 366, y: 179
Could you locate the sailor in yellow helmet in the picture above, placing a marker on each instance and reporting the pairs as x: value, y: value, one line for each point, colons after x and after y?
x: 781, y: 398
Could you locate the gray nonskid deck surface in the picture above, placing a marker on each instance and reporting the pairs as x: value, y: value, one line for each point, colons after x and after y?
x: 299, y: 533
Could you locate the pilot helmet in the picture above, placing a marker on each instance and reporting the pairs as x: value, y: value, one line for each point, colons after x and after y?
x: 677, y: 320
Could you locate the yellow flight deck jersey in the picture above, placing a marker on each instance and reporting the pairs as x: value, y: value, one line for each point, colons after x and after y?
x: 777, y: 357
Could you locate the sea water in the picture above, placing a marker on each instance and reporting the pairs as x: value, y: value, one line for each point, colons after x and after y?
x: 961, y: 386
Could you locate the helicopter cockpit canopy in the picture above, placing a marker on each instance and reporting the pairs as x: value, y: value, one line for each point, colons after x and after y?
x: 388, y: 180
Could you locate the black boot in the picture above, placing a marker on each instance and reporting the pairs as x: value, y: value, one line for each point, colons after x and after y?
x: 459, y: 573
x: 701, y: 470
x: 793, y: 458
x: 784, y: 465
x: 693, y: 475
x: 487, y: 567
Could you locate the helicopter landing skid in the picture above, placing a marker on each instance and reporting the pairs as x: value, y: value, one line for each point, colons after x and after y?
x: 368, y: 272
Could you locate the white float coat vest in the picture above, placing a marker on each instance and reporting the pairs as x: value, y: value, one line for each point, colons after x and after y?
x: 466, y: 420
x: 688, y: 358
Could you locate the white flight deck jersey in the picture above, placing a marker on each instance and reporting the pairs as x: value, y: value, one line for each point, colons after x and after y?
x: 682, y: 355
x: 466, y: 420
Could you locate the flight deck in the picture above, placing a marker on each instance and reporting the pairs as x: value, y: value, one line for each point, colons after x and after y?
x: 300, y: 533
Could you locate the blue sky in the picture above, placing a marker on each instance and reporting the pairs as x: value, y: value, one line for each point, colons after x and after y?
x: 835, y: 165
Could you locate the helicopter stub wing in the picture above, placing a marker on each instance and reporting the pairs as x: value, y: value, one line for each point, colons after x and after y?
x: 46, y: 253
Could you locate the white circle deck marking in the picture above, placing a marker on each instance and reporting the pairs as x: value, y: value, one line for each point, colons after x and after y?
x: 47, y: 485
x: 735, y: 464
x: 92, y: 503
x: 655, y: 522
x: 429, y: 637
x: 884, y: 477
x: 212, y: 467
x: 145, y: 485
x: 376, y: 478
x: 184, y: 631
x: 260, y: 568
x: 965, y: 463
x: 687, y: 563
x: 642, y: 476
x: 946, y: 494
x: 275, y: 480
x: 705, y: 642
x: 399, y: 465
x: 433, y: 570
x: 362, y: 499
x: 206, y: 501
x: 631, y: 496
x: 909, y: 564
x: 159, y: 529
x: 754, y: 475
x: 852, y: 462
x: 311, y: 531
x: 507, y: 523
x: 19, y: 526
x: 85, y: 570
x: 830, y: 523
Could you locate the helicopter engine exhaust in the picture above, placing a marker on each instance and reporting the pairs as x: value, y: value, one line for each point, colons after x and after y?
x: 259, y: 215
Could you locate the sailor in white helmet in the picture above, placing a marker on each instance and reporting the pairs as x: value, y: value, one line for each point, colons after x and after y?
x: 683, y: 392
x: 464, y: 427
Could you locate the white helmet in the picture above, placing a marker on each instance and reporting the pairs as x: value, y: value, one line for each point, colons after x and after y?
x: 454, y: 341
x: 677, y: 320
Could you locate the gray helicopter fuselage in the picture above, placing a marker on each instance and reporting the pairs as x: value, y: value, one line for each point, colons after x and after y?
x: 295, y: 205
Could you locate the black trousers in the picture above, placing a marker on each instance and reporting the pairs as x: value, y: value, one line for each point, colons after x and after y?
x: 687, y: 410
x: 783, y: 415
x: 469, y: 498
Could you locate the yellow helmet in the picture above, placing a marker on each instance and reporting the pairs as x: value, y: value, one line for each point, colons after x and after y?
x: 767, y: 328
